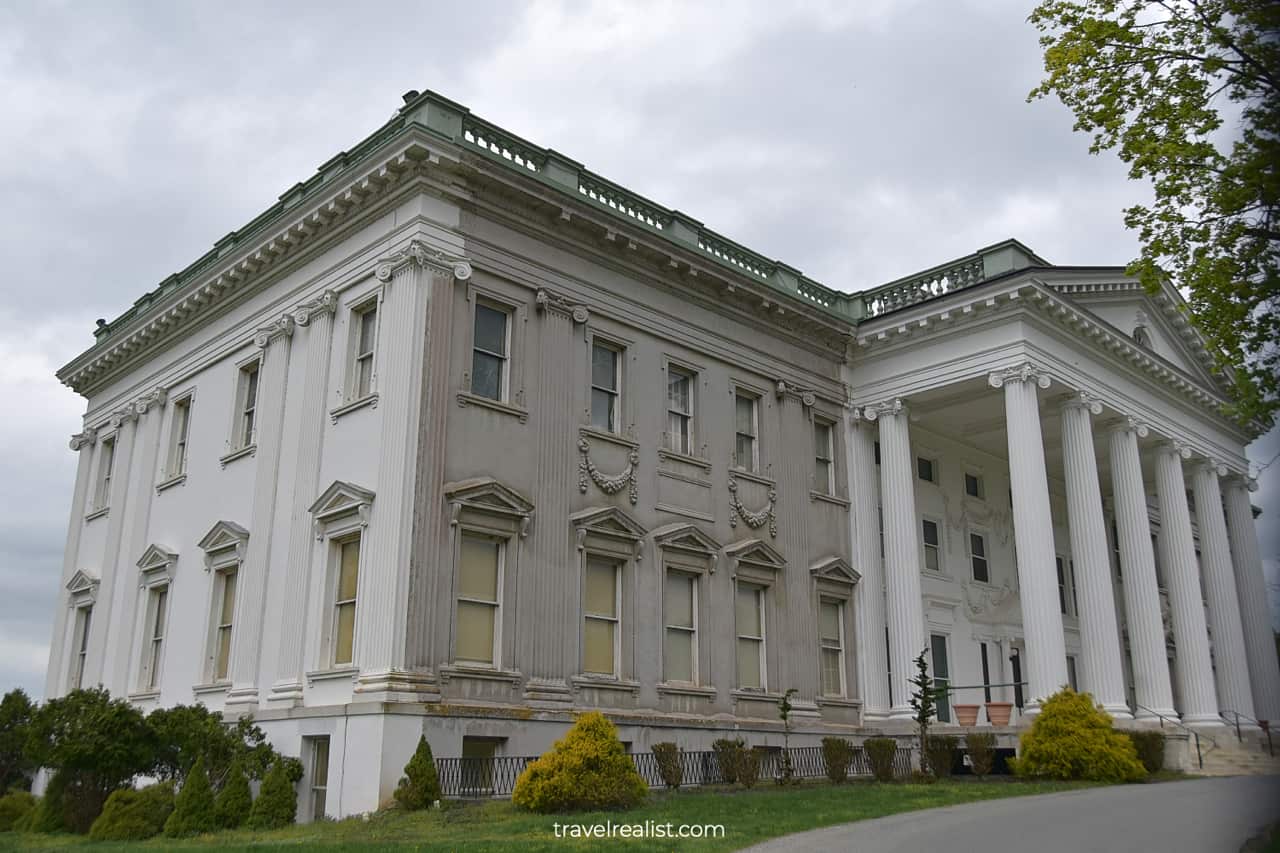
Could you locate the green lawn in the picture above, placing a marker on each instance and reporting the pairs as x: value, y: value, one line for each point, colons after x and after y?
x: 748, y: 817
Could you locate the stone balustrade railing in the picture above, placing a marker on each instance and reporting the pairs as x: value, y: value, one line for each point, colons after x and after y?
x: 947, y: 278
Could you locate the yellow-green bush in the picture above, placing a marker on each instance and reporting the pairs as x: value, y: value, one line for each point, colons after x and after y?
x: 1071, y: 738
x: 14, y: 806
x: 587, y: 769
x: 133, y: 815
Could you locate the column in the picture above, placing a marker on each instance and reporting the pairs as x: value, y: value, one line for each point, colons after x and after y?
x: 1046, y: 654
x: 82, y: 444
x: 873, y: 686
x: 1234, y: 693
x: 904, y: 608
x: 1101, y: 671
x: 316, y: 318
x: 1192, y: 666
x: 104, y: 619
x: 1152, y: 690
x: 1251, y: 589
x: 251, y: 580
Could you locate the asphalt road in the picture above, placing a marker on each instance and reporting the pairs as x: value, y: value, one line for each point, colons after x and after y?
x: 1193, y: 816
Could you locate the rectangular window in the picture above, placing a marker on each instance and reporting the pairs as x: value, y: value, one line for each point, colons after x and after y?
x: 1071, y: 576
x: 178, y: 436
x: 157, y: 616
x: 222, y: 633
x: 344, y: 601
x: 877, y: 452
x: 490, y: 352
x: 932, y: 548
x: 941, y: 675
x: 1062, y: 584
x: 479, y: 590
x: 823, y: 456
x: 831, y: 646
x: 680, y: 410
x: 986, y: 673
x: 927, y: 469
x: 319, y: 775
x: 84, y: 617
x: 749, y: 612
x: 600, y: 618
x: 476, y: 769
x: 246, y: 406
x: 973, y: 486
x: 746, y: 427
x: 606, y: 376
x: 1071, y: 672
x: 106, y: 466
x: 978, y: 557
x: 365, y: 320
x: 680, y: 643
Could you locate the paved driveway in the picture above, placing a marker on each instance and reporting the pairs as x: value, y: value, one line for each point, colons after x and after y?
x: 1195, y: 816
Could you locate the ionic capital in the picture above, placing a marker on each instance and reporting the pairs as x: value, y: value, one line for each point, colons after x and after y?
x: 1026, y: 372
x: 1083, y: 400
x: 281, y: 327
x: 418, y: 253
x: 1175, y: 446
x: 325, y: 302
x: 156, y: 397
x: 84, y: 439
x: 895, y: 406
x: 1211, y: 465
x: 545, y: 300
x: 1128, y: 423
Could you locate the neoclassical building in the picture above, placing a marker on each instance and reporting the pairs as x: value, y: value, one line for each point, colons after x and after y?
x: 459, y: 438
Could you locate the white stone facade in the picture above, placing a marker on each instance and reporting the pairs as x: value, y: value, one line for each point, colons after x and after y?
x: 459, y: 439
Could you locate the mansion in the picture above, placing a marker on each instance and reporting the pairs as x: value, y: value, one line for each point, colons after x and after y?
x: 459, y: 438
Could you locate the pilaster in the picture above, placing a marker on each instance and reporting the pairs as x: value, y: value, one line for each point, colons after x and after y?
x: 869, y: 601
x: 82, y: 444
x: 1251, y: 589
x: 125, y: 422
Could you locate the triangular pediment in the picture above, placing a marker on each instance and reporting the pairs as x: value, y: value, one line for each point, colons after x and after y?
x: 156, y: 558
x: 685, y: 537
x: 607, y: 521
x: 340, y: 498
x: 835, y: 569
x: 224, y: 534
x: 486, y: 493
x: 756, y: 553
x: 82, y: 582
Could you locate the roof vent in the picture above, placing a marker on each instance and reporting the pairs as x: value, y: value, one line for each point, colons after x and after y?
x: 410, y: 96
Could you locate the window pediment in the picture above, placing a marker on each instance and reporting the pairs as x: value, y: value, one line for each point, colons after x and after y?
x: 607, y: 526
x: 156, y: 563
x: 83, y: 585
x: 487, y: 496
x: 755, y: 554
x: 339, y: 501
x: 684, y: 539
x: 223, y: 545
x: 835, y: 570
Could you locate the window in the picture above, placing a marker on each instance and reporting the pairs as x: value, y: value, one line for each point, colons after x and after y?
x: 178, y: 437
x: 490, y: 352
x: 477, y: 762
x: 1115, y: 547
x: 319, y: 757
x: 344, y: 601
x: 831, y: 643
x: 157, y: 617
x: 973, y: 486
x: 246, y: 406
x: 823, y: 467
x: 365, y: 321
x: 941, y: 675
x: 746, y: 454
x: 83, y: 618
x: 1071, y: 672
x: 877, y: 446
x: 226, y: 592
x: 106, y: 464
x: 978, y: 557
x: 932, y: 549
x: 680, y: 410
x: 927, y: 469
x: 749, y: 612
x: 606, y: 380
x: 1062, y: 584
x: 479, y: 588
x: 986, y: 673
x: 1071, y: 575
x: 680, y: 645
x: 600, y: 618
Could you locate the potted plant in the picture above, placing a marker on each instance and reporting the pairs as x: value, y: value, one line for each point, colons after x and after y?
x: 998, y: 713
x: 966, y: 715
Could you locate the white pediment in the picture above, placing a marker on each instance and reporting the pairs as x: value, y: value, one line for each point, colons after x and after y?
x: 156, y: 558
x: 607, y: 521
x: 835, y: 569
x: 754, y: 552
x: 683, y: 536
x: 341, y: 499
x: 486, y: 493
x: 82, y: 583
x: 224, y: 543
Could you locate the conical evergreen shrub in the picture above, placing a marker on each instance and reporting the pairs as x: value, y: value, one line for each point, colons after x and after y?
x: 277, y: 803
x: 587, y: 769
x: 235, y: 800
x: 134, y: 815
x: 193, y: 810
x: 420, y: 786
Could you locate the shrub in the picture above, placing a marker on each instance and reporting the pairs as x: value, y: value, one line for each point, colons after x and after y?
x: 880, y: 753
x: 277, y: 803
x: 587, y: 769
x: 419, y: 787
x: 729, y: 757
x: 940, y: 753
x: 670, y: 767
x: 982, y: 752
x: 749, y: 761
x: 193, y: 808
x: 14, y: 806
x: 1071, y: 738
x: 837, y: 753
x: 50, y: 813
x: 185, y: 733
x: 1150, y: 748
x: 234, y: 801
x: 16, y: 712
x: 133, y: 815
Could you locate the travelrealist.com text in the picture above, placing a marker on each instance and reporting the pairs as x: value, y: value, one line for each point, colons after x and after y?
x: 648, y: 829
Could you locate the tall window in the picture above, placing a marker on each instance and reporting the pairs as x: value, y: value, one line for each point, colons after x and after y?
x: 600, y: 617
x: 932, y: 548
x: 749, y: 613
x: 479, y: 588
x: 490, y: 352
x: 319, y: 774
x: 978, y: 557
x: 84, y: 616
x: 157, y: 616
x: 247, y: 405
x: 831, y: 643
x: 222, y: 633
x: 1062, y: 584
x: 178, y: 436
x: 344, y: 603
x: 679, y: 410
x: 680, y: 646
x: 106, y: 471
x: 1071, y: 575
x: 365, y: 319
x: 1071, y: 672
x: 941, y: 675
x: 986, y: 673
x: 823, y: 467
x: 606, y: 376
x: 746, y: 426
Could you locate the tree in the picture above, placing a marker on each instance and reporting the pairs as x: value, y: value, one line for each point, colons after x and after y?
x: 924, y: 702
x: 16, y: 711
x: 235, y: 800
x: 419, y: 788
x: 186, y: 733
x: 277, y: 803
x: 193, y: 809
x: 787, y: 772
x: 1157, y: 82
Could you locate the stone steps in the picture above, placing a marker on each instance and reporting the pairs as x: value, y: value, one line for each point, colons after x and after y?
x: 1233, y: 758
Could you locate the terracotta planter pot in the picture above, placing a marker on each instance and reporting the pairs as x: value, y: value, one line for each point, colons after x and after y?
x: 966, y: 715
x: 998, y: 713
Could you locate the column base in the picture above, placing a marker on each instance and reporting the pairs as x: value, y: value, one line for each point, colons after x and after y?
x: 874, y: 715
x: 1118, y: 711
x: 900, y: 713
x: 1203, y: 721
x: 396, y: 685
x: 288, y: 693
x: 244, y: 698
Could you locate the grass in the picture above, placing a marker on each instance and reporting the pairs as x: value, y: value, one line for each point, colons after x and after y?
x: 748, y: 817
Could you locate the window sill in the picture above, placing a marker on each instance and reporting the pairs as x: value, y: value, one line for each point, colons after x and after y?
x: 479, y: 672
x: 604, y: 682
x: 753, y: 477
x: 370, y: 400
x: 247, y: 450
x: 605, y: 435
x: 466, y: 398
x: 754, y: 694
x: 97, y: 513
x: 831, y: 499
x: 143, y: 695
x: 838, y: 702
x: 211, y: 687
x: 679, y: 689
x: 698, y: 461
x: 171, y: 482
x: 335, y: 674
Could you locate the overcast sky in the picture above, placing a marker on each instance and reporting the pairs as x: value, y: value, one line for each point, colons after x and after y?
x: 856, y: 141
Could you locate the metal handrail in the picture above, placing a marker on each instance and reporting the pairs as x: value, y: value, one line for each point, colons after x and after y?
x: 1262, y: 724
x: 1194, y: 734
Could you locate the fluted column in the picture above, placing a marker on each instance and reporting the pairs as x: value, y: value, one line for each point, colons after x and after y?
x: 1046, y: 655
x: 904, y: 608
x: 316, y: 319
x: 1152, y: 690
x: 1234, y: 693
x: 82, y: 445
x: 1101, y: 670
x: 251, y: 579
x: 1251, y: 589
x: 869, y: 618
x: 1192, y: 665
